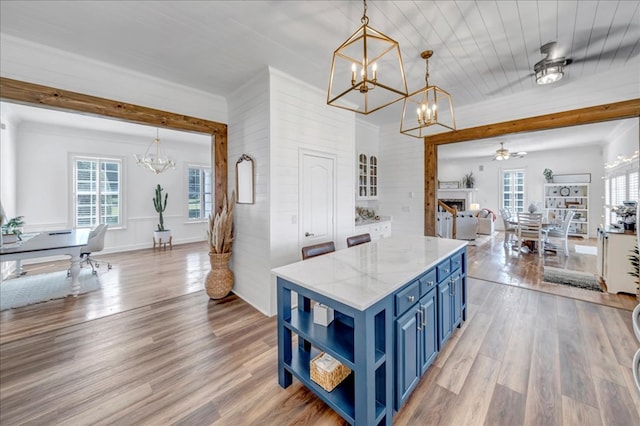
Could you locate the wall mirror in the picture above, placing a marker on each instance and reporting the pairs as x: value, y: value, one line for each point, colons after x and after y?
x: 244, y: 180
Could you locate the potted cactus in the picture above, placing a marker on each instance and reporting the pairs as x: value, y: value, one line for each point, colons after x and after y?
x: 161, y: 235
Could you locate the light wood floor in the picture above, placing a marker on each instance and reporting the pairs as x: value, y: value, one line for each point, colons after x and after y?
x: 151, y: 348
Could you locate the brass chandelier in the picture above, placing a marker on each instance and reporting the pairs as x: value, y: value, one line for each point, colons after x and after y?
x: 426, y: 111
x: 367, y: 72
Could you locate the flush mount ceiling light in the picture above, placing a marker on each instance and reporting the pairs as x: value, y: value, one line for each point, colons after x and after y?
x: 157, y: 162
x: 367, y: 72
x: 549, y: 70
x: 502, y: 154
x: 428, y: 110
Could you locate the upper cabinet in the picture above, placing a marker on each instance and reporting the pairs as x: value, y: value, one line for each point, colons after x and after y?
x: 367, y: 162
x: 367, y: 180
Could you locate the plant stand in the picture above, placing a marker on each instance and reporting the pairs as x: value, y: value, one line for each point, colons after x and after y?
x: 163, y: 244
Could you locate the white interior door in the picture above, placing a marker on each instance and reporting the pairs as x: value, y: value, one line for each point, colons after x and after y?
x: 317, y: 198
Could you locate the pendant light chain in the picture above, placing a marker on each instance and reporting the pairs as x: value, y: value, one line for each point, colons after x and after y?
x: 365, y: 19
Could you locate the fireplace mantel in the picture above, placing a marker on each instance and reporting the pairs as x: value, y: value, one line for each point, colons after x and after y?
x: 468, y: 194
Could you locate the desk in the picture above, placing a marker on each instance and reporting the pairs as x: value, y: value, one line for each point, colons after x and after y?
x: 50, y: 244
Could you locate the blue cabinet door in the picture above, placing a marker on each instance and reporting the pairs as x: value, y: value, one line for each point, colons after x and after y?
x: 429, y: 335
x: 456, y: 299
x: 407, y: 360
x: 444, y: 311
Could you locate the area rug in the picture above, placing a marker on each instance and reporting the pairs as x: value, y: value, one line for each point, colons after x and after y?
x: 30, y: 289
x: 586, y: 250
x: 572, y: 278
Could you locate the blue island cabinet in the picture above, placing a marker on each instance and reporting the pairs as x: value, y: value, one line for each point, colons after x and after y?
x: 361, y: 340
x: 396, y: 301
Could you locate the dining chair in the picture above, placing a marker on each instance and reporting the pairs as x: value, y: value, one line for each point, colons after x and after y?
x: 509, y: 229
x: 530, y: 229
x: 358, y: 239
x: 561, y: 233
x: 317, y: 249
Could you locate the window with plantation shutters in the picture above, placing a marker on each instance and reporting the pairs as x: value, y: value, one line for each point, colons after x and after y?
x: 620, y: 184
x: 199, y: 192
x: 97, y: 191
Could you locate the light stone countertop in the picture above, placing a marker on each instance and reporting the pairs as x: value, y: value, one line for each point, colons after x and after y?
x: 364, y: 274
x: 371, y: 221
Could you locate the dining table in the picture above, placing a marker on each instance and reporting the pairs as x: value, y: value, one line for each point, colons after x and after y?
x: 547, y: 225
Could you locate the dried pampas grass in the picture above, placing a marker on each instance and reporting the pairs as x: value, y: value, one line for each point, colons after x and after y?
x: 220, y: 230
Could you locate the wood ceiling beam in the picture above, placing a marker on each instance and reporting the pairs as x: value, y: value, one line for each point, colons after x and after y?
x: 588, y: 115
x: 49, y: 97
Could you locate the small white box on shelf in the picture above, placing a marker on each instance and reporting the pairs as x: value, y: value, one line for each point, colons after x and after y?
x: 322, y: 314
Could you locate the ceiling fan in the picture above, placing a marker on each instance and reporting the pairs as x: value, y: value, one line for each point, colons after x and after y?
x: 550, y: 69
x: 503, y: 154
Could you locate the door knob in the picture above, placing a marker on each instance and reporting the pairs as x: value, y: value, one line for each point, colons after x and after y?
x: 307, y: 234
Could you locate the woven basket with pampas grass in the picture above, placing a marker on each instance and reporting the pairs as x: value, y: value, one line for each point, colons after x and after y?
x: 219, y: 281
x: 220, y: 230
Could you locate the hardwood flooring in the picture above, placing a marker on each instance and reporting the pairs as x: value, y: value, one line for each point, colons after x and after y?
x: 151, y: 348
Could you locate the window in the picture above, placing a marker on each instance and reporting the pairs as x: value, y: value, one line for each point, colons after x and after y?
x: 199, y: 193
x: 97, y: 191
x: 513, y: 190
x: 620, y: 185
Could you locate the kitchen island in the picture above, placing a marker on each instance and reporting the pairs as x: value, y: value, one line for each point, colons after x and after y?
x: 396, y: 302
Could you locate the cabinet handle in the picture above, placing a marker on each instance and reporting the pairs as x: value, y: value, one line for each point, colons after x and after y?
x: 446, y: 271
x: 430, y: 283
x: 424, y: 315
x: 411, y: 298
x: 420, y: 323
x: 307, y: 234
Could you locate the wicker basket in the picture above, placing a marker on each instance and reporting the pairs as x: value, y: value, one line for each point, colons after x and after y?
x: 327, y: 371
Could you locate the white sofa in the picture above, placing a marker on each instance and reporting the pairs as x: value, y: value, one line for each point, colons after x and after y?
x: 466, y: 225
x: 486, y: 222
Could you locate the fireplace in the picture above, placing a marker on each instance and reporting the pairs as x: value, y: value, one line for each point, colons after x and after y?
x: 458, y: 203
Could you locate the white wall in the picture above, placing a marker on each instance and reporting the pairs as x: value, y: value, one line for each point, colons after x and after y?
x: 8, y: 194
x: 8, y: 147
x: 249, y: 134
x: 35, y: 63
x: 44, y: 182
x: 624, y: 141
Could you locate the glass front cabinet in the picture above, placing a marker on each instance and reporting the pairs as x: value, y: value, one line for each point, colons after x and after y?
x: 367, y: 177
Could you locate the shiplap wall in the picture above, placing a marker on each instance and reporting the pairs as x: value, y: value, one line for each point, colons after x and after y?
x: 300, y: 119
x: 273, y: 117
x: 249, y: 134
x: 401, y: 182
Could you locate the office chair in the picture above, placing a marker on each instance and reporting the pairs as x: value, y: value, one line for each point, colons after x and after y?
x: 358, y: 239
x: 95, y: 244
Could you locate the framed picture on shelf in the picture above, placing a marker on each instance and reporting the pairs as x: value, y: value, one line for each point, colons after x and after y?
x: 452, y: 184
